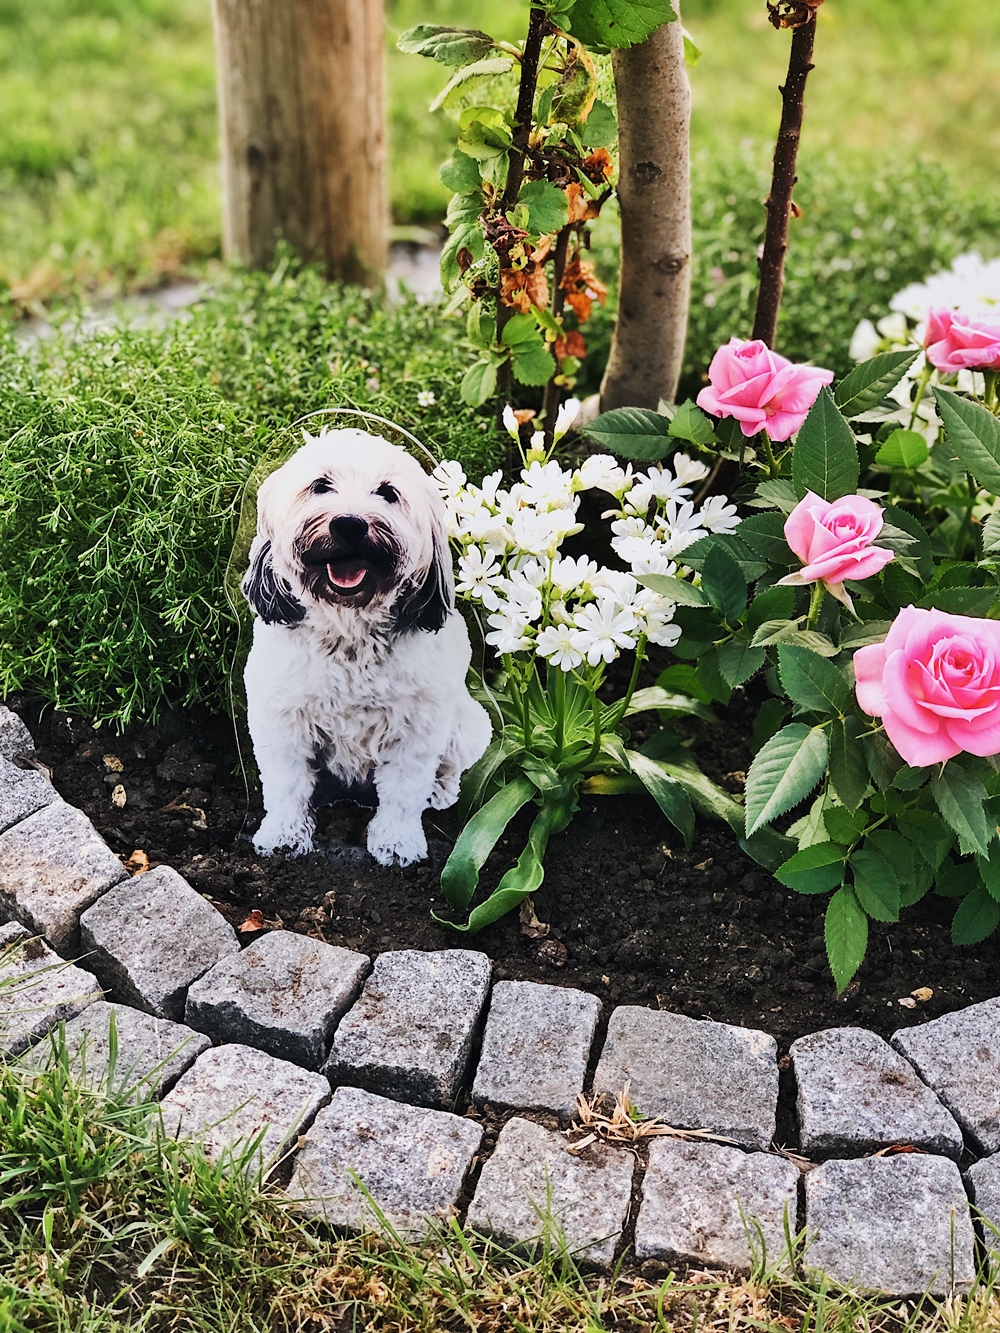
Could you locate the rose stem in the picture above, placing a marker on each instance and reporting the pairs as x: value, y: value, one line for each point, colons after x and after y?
x: 779, y: 201
x: 815, y: 604
x: 537, y: 27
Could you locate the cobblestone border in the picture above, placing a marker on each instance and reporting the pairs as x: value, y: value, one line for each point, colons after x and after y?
x: 354, y: 1070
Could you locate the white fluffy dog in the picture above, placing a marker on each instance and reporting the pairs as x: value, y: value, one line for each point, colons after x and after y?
x: 359, y: 657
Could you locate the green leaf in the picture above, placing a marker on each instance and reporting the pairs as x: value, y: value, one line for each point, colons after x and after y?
x: 461, y: 174
x: 655, y: 697
x: 910, y: 779
x: 876, y: 884
x: 776, y: 632
x: 957, y: 881
x: 903, y: 448
x: 683, y: 678
x: 991, y: 534
x: 960, y: 798
x: 711, y: 677
x: 480, y: 835
x: 666, y: 791
x: 678, y: 590
x: 919, y: 549
x: 480, y: 325
x: 479, y: 383
x: 774, y: 603
x: 692, y: 53
x: 521, y: 330
x: 723, y: 584
x: 738, y: 660
x: 689, y: 422
x: 857, y: 636
x: 784, y: 772
x: 476, y: 781
x: 547, y: 206
x: 618, y: 23
x: 848, y: 770
x: 449, y: 46
x: 632, y: 432
x: 469, y: 237
x: 777, y: 493
x: 600, y: 129
x: 770, y: 718
x: 883, y: 761
x: 825, y: 456
x: 989, y: 869
x: 977, y: 916
x: 456, y: 87
x: 811, y: 682
x: 846, y: 934
x: 973, y: 434
x: 765, y: 534
x: 842, y: 825
x: 534, y: 365
x: 867, y: 384
x: 815, y: 869
x: 928, y: 834
x: 961, y: 601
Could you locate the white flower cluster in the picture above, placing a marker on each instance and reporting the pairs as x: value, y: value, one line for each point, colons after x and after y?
x: 567, y: 610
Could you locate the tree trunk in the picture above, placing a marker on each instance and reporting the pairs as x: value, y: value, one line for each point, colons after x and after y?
x: 654, y: 192
x: 302, y: 109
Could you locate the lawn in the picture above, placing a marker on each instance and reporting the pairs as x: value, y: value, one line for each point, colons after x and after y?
x: 108, y: 133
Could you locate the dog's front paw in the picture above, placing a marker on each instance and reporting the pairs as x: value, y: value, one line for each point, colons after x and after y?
x: 396, y: 845
x: 273, y: 834
x: 445, y: 792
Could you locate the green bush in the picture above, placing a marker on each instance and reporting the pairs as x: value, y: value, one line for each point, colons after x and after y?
x: 124, y: 458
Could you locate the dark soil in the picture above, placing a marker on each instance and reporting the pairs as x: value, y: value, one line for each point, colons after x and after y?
x: 631, y: 915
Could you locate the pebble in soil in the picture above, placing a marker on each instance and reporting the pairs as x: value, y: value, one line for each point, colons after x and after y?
x: 632, y: 916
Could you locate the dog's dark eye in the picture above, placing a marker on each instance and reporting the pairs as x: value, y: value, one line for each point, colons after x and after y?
x: 388, y: 493
x: 321, y: 486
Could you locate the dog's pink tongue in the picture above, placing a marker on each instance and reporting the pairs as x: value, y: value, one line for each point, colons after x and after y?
x: 349, y: 578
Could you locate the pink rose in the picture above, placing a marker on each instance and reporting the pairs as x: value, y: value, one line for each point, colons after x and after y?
x: 935, y: 683
x: 833, y: 539
x: 762, y: 390
x: 955, y: 342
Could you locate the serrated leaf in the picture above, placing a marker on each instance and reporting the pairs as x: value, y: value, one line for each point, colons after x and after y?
x: 449, y: 46
x: 991, y: 534
x: 784, y: 772
x: 765, y: 534
x: 456, y: 86
x: 876, y: 884
x: 548, y: 206
x: 960, y: 798
x: 738, y: 661
x: 750, y: 564
x: 961, y: 601
x: 723, y: 584
x: 521, y: 331
x: 678, y: 590
x: 778, y: 492
x: 881, y: 756
x: 469, y: 237
x: 989, y: 869
x: 974, y: 435
x: 815, y: 869
x: 842, y: 825
x: 600, y: 129
x: 666, y: 791
x: 846, y: 933
x: 774, y: 632
x: 858, y: 636
x: 928, y: 833
x: 533, y: 364
x: 632, y: 432
x: 615, y: 24
x: 690, y: 423
x: 774, y: 603
x: 848, y: 770
x: 770, y: 718
x: 811, y: 682
x: 461, y: 174
x: 479, y: 383
x: 867, y: 384
x: 825, y: 456
x: 977, y: 916
x: 903, y: 448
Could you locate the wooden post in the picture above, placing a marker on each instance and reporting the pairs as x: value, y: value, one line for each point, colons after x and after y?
x: 654, y: 194
x: 302, y: 111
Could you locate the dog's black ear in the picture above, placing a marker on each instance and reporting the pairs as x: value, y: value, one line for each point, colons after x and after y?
x: 268, y: 595
x: 427, y: 605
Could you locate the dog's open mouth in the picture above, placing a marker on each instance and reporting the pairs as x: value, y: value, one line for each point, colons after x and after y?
x: 347, y: 575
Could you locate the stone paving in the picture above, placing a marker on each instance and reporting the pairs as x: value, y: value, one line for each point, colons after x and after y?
x: 359, y: 1073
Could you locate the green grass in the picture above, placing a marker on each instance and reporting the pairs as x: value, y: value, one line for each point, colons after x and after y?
x: 124, y: 459
x: 108, y: 134
x: 108, y: 1227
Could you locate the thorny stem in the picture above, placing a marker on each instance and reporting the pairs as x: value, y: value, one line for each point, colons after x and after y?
x: 550, y: 402
x: 922, y: 383
x: 537, y: 27
x: 815, y: 604
x: 773, y: 466
x: 779, y: 201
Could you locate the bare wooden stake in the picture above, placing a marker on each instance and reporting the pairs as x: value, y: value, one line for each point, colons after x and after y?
x: 302, y: 110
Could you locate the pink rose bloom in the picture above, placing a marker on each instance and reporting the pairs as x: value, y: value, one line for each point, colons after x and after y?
x: 833, y: 539
x: 954, y: 342
x: 762, y: 390
x: 935, y: 683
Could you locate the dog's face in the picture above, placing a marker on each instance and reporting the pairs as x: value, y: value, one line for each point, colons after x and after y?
x: 350, y: 522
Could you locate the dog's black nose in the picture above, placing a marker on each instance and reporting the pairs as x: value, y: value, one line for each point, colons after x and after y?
x: 348, y: 527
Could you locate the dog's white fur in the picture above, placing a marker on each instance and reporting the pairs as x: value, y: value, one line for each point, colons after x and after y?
x: 369, y: 684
